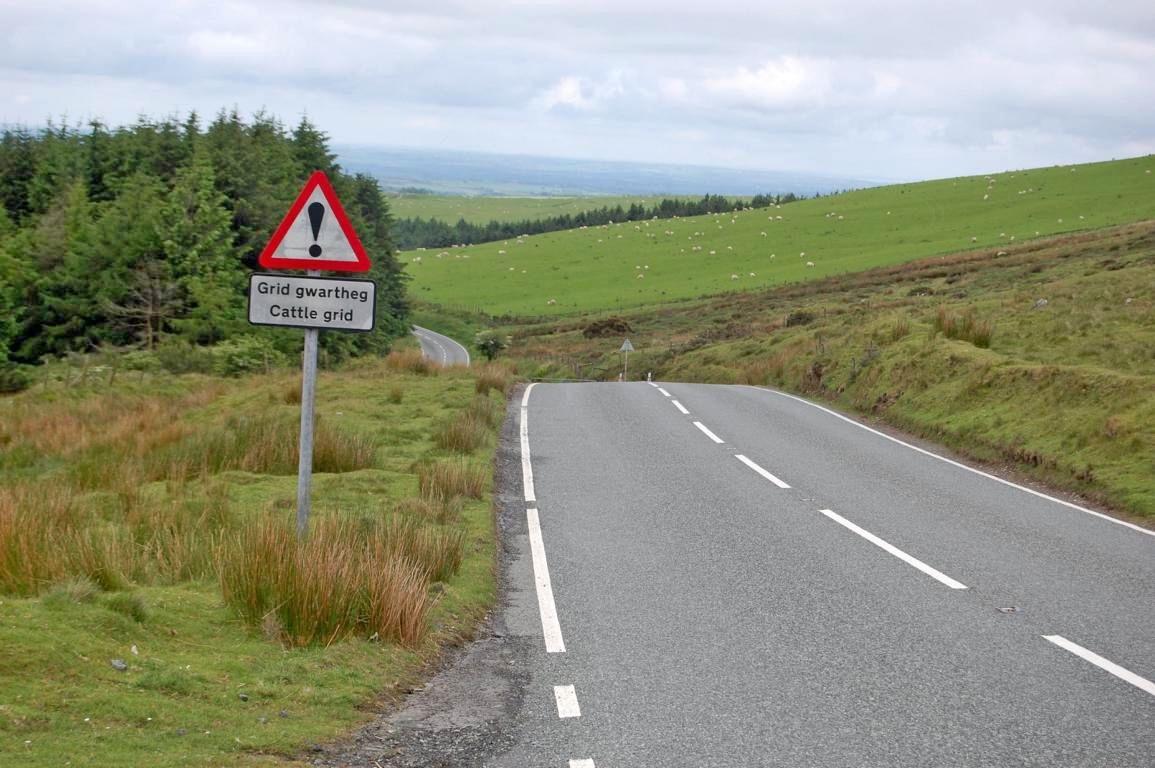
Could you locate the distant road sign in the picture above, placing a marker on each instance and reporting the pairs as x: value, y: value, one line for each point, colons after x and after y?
x: 627, y: 346
x: 316, y: 234
x: 312, y: 302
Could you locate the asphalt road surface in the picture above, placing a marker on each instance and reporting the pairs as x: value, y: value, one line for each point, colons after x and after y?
x: 730, y: 576
x: 440, y: 349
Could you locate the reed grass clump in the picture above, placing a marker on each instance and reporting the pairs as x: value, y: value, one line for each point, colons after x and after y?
x: 345, y: 577
x: 964, y: 326
x: 447, y: 478
x: 410, y: 361
x: 493, y: 376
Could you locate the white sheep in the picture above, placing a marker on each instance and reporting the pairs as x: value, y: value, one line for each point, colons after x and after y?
x: 810, y: 263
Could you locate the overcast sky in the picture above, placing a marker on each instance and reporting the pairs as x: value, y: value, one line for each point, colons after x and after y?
x: 887, y: 90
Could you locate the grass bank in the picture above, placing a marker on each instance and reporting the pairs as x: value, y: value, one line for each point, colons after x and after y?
x: 637, y: 264
x: 157, y: 609
x: 1039, y: 356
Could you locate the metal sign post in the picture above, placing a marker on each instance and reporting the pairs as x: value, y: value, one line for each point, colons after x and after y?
x: 308, y: 396
x: 626, y: 349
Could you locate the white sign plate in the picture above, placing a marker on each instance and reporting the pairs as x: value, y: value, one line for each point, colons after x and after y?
x: 627, y: 346
x: 312, y: 302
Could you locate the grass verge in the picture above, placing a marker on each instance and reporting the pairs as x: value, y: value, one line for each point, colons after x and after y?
x: 156, y: 607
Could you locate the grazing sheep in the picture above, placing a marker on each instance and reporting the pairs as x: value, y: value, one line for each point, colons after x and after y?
x: 810, y: 263
x: 713, y: 252
x: 501, y: 253
x: 753, y: 275
x: 974, y: 239
x: 551, y: 302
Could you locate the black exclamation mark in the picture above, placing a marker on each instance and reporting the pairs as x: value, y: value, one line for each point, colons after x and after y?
x: 316, y: 216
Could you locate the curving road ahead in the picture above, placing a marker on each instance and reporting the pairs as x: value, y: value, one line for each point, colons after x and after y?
x: 732, y: 576
x: 441, y: 349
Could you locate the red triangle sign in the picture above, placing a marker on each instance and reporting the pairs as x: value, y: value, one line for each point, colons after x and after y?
x: 316, y: 234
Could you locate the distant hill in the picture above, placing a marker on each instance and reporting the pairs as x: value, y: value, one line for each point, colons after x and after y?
x: 644, y: 263
x: 475, y: 173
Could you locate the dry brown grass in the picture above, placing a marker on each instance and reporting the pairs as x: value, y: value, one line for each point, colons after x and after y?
x: 493, y: 376
x: 462, y: 433
x: 346, y: 577
x: 410, y: 360
x: 448, y: 478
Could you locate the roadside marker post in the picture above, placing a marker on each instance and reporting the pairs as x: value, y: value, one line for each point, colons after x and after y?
x: 626, y: 349
x: 315, y: 235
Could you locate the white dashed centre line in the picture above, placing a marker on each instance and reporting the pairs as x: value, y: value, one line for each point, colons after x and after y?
x: 761, y: 471
x: 708, y: 433
x: 909, y: 560
x: 586, y: 763
x: 567, y: 703
x: 680, y: 407
x: 664, y: 392
x: 1141, y: 683
x: 550, y: 628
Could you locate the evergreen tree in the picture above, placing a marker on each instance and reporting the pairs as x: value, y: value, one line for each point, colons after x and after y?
x: 197, y: 243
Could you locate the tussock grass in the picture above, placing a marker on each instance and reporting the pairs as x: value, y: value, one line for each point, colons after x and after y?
x: 964, y: 326
x: 462, y: 433
x: 346, y: 577
x: 447, y: 478
x: 266, y: 444
x: 493, y: 376
x: 410, y: 361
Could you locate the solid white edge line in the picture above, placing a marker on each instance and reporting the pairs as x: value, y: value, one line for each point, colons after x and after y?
x: 708, y: 433
x: 550, y: 628
x: 584, y: 763
x: 664, y: 392
x: 653, y: 383
x: 680, y: 407
x: 1141, y: 683
x: 960, y: 465
x: 567, y: 703
x: 760, y: 471
x: 909, y: 560
x: 526, y: 465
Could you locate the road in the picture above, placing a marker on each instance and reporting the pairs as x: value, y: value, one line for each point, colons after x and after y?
x: 441, y: 349
x: 730, y: 576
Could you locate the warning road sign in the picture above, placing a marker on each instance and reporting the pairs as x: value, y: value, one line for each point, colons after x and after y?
x: 316, y: 234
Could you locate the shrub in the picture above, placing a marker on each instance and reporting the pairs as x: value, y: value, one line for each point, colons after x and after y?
x: 181, y: 357
x: 14, y: 378
x: 244, y: 355
x: 491, y: 344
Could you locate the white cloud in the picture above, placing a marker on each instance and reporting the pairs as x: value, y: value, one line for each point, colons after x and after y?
x: 784, y: 81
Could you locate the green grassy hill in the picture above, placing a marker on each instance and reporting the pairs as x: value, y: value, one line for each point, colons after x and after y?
x: 482, y: 210
x: 1040, y: 360
x: 637, y: 264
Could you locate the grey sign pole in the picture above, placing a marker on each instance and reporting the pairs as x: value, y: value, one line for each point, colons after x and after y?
x: 308, y: 392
